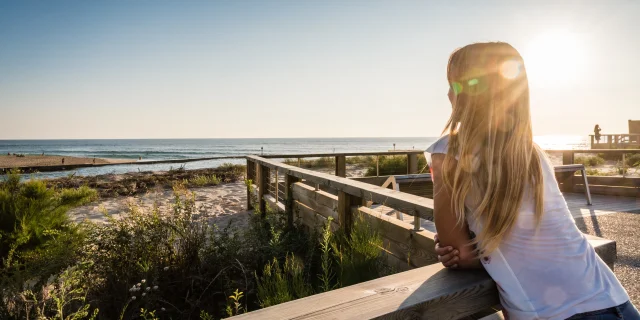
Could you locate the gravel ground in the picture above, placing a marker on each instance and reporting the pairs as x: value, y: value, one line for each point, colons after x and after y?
x: 623, y: 227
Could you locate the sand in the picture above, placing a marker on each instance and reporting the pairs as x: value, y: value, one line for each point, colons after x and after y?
x: 225, y: 203
x: 46, y: 160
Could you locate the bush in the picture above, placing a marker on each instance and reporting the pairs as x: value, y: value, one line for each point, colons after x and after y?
x: 151, y: 263
x: 590, y: 161
x: 325, y: 162
x: 394, y: 165
x: 633, y: 160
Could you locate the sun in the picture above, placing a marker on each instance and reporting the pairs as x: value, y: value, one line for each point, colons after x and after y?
x: 554, y: 58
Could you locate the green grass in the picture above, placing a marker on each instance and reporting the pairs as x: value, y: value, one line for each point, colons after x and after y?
x: 590, y: 161
x: 152, y: 263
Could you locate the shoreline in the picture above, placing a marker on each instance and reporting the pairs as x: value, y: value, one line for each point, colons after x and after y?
x: 51, y: 163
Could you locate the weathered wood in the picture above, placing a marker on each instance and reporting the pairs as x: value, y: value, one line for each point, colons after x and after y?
x: 430, y: 292
x: 272, y: 204
x: 610, y: 181
x: 345, y: 214
x: 263, y: 187
x: 399, y: 200
x: 250, y: 177
x: 412, y: 163
x: 415, y: 248
x: 341, y: 166
x: 322, y: 202
x: 346, y: 154
x: 288, y: 195
x: 310, y: 218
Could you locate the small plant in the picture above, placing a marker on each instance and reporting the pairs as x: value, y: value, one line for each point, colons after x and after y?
x: 235, y: 307
x: 590, y: 161
x: 325, y: 250
x: 633, y: 160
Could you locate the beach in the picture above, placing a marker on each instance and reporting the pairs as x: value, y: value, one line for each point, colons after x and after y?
x: 19, y: 161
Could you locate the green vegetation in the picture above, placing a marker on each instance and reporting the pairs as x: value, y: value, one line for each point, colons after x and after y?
x: 633, y: 160
x: 393, y: 165
x: 204, y: 180
x: 325, y: 162
x: 590, y: 161
x: 164, y: 264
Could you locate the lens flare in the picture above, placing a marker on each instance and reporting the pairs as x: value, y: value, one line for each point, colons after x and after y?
x: 510, y: 69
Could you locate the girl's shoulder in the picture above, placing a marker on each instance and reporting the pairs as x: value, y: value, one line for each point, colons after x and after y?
x: 440, y: 146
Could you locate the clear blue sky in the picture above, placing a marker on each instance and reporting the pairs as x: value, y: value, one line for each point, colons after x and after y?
x: 208, y: 69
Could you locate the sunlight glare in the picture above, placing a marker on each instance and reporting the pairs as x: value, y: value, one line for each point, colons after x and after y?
x: 554, y: 59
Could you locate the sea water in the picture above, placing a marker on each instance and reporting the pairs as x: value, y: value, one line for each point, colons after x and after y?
x: 163, y: 149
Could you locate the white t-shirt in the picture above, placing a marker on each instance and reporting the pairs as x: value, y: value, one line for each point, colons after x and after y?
x: 553, y: 274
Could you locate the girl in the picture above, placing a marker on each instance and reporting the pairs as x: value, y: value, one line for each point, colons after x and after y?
x: 498, y: 205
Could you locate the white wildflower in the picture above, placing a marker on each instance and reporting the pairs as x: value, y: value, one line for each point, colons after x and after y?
x: 143, y: 281
x: 133, y: 298
x: 166, y: 268
x: 148, y: 289
x: 163, y: 309
x: 155, y: 287
x: 144, y: 294
x: 138, y: 285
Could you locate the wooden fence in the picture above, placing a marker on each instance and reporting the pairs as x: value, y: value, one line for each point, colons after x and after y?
x: 616, y: 141
x: 615, y: 186
x: 424, y: 290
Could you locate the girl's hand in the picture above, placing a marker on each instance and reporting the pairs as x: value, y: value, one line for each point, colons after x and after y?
x: 448, y: 256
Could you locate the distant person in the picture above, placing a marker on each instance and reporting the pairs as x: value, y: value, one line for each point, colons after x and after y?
x: 497, y: 204
x: 139, y: 158
x: 94, y: 160
x: 596, y: 132
x: 62, y: 160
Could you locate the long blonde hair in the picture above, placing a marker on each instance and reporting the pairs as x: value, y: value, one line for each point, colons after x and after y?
x: 490, y: 134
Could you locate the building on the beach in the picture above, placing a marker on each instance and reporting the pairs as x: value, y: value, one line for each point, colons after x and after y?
x: 629, y: 140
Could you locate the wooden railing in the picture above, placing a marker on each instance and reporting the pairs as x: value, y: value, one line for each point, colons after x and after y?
x: 615, y: 141
x: 616, y: 186
x: 425, y: 290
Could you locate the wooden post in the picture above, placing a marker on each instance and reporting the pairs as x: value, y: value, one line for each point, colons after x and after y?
x: 276, y: 176
x: 377, y: 165
x: 412, y: 163
x: 567, y: 157
x: 567, y: 179
x: 263, y: 185
x: 251, y: 168
x: 592, y: 141
x: 341, y: 166
x: 288, y: 193
x: 609, y: 140
x: 345, y: 202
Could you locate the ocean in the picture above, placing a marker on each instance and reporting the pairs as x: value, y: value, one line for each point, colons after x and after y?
x: 162, y: 149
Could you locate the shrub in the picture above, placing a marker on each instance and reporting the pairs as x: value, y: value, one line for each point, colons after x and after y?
x: 590, y: 161
x: 633, y: 160
x: 394, y: 165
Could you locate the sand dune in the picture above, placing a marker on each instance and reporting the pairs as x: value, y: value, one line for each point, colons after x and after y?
x: 12, y: 161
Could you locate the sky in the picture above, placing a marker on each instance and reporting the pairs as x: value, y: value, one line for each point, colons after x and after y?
x: 242, y: 69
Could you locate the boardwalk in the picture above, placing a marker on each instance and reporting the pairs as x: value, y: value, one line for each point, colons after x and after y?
x: 601, y: 204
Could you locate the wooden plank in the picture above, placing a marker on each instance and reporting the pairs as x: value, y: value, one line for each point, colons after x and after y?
x: 399, y: 200
x: 610, y: 181
x: 341, y: 166
x: 288, y: 195
x: 345, y: 215
x: 415, y: 247
x: 430, y: 292
x: 346, y: 154
x: 272, y: 204
x: 250, y: 176
x: 412, y: 163
x: 308, y: 217
x: 320, y: 201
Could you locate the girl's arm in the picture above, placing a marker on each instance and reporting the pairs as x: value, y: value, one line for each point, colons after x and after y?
x: 449, y: 232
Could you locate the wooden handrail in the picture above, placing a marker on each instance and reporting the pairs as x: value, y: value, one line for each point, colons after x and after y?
x: 345, y: 154
x: 396, y: 199
x: 430, y: 292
